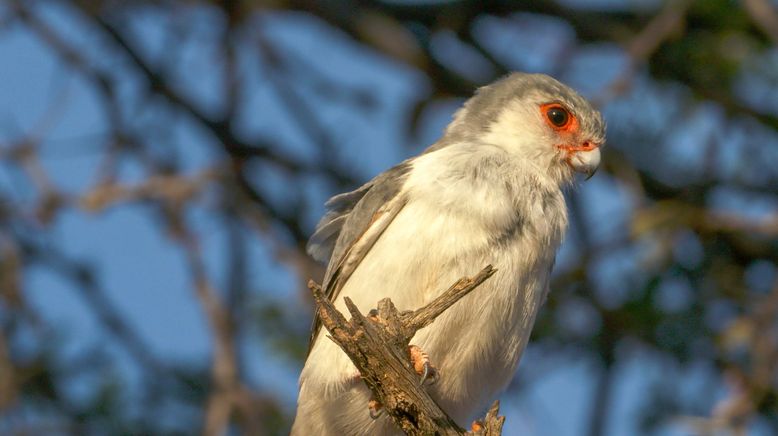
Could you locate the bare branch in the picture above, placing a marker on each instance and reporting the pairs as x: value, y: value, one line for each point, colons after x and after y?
x: 378, y: 347
x: 423, y: 317
x: 668, y: 22
x: 764, y: 16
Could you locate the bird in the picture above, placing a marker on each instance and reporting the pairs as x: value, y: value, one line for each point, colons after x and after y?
x: 489, y: 191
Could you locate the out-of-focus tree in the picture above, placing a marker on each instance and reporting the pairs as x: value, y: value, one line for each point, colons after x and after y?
x: 673, y: 247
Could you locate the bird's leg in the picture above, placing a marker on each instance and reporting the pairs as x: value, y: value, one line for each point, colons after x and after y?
x: 419, y: 359
x: 422, y: 366
x: 374, y: 407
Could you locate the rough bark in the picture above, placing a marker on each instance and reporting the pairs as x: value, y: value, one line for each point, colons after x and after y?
x: 377, y: 344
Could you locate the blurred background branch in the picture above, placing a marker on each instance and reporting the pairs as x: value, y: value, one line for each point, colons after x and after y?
x: 162, y: 164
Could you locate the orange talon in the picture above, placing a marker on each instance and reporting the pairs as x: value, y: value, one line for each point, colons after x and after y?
x: 376, y: 409
x: 421, y: 364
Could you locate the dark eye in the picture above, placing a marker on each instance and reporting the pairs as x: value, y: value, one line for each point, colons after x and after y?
x: 558, y: 116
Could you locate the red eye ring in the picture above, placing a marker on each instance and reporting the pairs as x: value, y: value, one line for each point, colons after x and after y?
x: 558, y: 117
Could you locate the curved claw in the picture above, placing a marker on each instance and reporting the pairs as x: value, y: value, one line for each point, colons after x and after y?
x: 429, y: 375
x: 375, y: 408
x: 376, y: 414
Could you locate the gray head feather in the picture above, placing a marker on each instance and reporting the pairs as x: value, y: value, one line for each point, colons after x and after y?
x: 481, y: 110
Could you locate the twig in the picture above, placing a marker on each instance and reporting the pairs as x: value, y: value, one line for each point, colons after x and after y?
x: 224, y: 368
x: 421, y: 318
x: 9, y: 390
x: 175, y: 189
x: 764, y: 16
x: 378, y: 347
x: 492, y: 424
x: 668, y: 22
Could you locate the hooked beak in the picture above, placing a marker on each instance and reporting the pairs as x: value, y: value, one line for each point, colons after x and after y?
x: 585, y: 161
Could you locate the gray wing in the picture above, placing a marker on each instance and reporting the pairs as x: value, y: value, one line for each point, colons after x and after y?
x: 323, y: 240
x: 352, y: 224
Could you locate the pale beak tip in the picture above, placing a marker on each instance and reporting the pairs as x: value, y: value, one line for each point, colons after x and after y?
x: 586, y: 162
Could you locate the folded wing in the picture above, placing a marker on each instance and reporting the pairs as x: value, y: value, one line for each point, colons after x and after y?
x: 354, y: 222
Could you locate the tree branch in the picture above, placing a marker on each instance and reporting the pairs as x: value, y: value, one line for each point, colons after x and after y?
x: 378, y: 347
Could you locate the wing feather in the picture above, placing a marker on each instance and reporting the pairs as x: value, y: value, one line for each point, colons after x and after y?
x: 323, y: 240
x: 354, y: 223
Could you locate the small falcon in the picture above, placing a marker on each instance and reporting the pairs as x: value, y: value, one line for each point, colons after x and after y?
x: 488, y: 192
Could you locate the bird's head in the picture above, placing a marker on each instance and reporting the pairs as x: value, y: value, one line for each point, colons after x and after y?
x: 537, y: 118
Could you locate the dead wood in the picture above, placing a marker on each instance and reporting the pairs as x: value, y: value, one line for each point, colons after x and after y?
x: 377, y: 344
